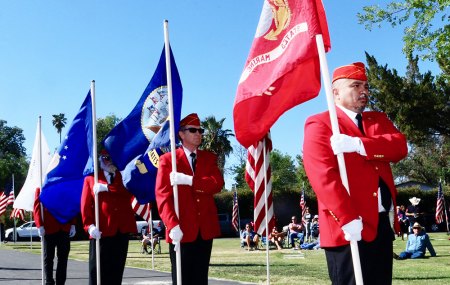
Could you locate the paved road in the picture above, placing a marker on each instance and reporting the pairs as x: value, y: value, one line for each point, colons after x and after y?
x: 25, y: 268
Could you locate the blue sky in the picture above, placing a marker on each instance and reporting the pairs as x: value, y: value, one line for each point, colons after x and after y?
x: 51, y: 50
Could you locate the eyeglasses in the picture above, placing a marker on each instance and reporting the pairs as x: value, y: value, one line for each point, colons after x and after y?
x: 106, y: 157
x: 194, y: 130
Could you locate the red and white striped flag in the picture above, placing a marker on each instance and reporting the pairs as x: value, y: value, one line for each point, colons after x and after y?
x: 141, y: 210
x: 440, y: 205
x: 6, y: 198
x: 254, y: 175
x: 303, y: 205
x: 235, y: 216
x: 18, y: 214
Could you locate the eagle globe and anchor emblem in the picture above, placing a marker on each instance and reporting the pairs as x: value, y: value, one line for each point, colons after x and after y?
x: 154, y: 112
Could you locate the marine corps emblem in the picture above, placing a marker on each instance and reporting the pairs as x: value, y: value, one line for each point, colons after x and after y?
x: 281, y: 17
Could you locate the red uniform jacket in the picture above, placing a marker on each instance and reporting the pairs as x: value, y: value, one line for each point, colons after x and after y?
x: 383, y: 144
x: 198, y: 212
x: 115, y: 212
x: 50, y: 224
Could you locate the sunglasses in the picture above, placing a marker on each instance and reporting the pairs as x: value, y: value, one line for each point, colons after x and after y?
x: 106, y: 157
x: 194, y: 130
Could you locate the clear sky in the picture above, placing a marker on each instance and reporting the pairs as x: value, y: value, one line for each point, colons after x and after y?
x: 50, y: 50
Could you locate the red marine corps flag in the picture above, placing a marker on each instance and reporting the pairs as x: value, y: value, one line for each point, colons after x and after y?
x: 283, y: 67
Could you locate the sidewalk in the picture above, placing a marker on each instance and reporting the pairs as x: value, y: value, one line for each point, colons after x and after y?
x: 25, y: 268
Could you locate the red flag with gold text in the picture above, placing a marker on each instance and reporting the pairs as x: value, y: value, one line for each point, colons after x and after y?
x: 283, y: 68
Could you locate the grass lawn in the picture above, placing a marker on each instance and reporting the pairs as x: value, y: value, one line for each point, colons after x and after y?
x: 287, y: 266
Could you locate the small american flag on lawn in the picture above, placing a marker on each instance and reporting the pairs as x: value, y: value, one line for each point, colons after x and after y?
x: 234, y: 220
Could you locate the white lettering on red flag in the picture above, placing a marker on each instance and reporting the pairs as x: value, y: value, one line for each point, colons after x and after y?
x: 282, y: 69
x: 254, y: 175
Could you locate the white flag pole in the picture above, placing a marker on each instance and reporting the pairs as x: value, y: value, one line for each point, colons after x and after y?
x: 267, y: 212
x: 40, y: 189
x: 340, y: 156
x: 172, y: 137
x: 150, y: 225
x: 14, y: 229
x: 94, y: 157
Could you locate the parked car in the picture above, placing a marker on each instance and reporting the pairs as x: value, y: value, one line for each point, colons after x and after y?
x: 157, y: 224
x: 24, y: 232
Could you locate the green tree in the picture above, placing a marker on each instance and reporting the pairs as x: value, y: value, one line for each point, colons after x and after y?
x: 216, y: 139
x: 104, y: 126
x: 238, y: 170
x: 417, y: 103
x: 426, y: 163
x: 284, y: 176
x: 12, y: 154
x: 59, y: 122
x: 426, y: 31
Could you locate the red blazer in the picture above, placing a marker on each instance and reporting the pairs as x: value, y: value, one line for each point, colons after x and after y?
x: 383, y: 143
x: 115, y: 211
x: 197, y: 208
x: 50, y: 224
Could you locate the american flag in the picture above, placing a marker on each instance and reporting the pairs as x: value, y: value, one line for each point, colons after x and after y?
x: 234, y: 220
x: 17, y: 213
x: 141, y: 210
x: 303, y: 205
x: 440, y: 205
x: 254, y: 175
x: 7, y: 198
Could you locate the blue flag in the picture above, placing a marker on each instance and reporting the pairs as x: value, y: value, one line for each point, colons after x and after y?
x: 136, y: 143
x: 61, y: 192
x: 132, y: 136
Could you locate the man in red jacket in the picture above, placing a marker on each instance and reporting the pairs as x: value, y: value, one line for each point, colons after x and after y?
x: 369, y: 145
x: 55, y: 236
x: 198, y: 178
x: 116, y: 221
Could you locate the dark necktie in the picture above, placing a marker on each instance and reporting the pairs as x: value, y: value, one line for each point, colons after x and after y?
x: 194, y: 160
x: 360, y: 125
x: 111, y: 178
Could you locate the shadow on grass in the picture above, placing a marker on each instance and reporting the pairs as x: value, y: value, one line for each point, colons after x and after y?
x: 415, y: 278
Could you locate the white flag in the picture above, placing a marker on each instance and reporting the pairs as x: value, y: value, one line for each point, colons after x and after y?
x: 25, y: 198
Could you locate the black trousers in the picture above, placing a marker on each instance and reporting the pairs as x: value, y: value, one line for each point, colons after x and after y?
x: 375, y: 257
x: 60, y: 242
x: 113, y: 255
x: 195, y: 258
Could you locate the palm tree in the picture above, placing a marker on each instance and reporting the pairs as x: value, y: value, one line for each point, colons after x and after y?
x: 59, y: 122
x: 216, y: 139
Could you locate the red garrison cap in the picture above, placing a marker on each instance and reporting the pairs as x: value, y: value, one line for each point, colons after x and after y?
x: 104, y: 152
x: 355, y: 70
x: 191, y: 119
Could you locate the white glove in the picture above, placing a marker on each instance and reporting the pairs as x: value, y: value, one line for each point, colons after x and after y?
x: 178, y: 178
x: 342, y: 143
x: 352, y: 230
x: 94, y: 232
x: 41, y: 231
x: 100, y: 187
x: 73, y: 231
x: 176, y: 235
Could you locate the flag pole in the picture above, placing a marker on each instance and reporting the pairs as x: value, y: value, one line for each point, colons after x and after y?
x: 40, y: 204
x: 445, y: 206
x: 172, y: 137
x: 14, y: 228
x: 94, y: 158
x: 267, y: 212
x: 150, y: 224
x: 340, y: 157
x: 238, y: 213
